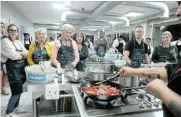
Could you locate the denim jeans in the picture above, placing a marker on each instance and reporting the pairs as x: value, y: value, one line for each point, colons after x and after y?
x: 13, y: 103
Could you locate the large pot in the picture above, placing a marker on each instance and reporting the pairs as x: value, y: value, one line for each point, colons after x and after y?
x: 96, y: 74
x: 132, y: 81
x: 74, y: 76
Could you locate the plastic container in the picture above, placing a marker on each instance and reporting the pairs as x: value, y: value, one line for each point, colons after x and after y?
x: 36, y: 75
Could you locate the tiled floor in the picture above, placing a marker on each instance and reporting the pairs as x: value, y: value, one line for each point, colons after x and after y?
x: 25, y: 102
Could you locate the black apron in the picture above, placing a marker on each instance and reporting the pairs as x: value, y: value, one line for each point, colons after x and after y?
x: 16, y: 74
x: 149, y: 50
x: 40, y: 55
x: 120, y: 48
x: 166, y: 56
x: 65, y: 54
x: 179, y: 50
x: 138, y: 56
x: 81, y: 64
x: 27, y: 45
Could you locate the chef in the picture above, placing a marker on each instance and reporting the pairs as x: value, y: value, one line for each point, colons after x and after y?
x: 101, y: 45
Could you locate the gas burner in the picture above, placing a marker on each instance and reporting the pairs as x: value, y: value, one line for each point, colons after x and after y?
x: 132, y: 101
x: 97, y: 103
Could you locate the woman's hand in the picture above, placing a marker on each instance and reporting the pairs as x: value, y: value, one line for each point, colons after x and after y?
x: 127, y: 71
x: 23, y: 54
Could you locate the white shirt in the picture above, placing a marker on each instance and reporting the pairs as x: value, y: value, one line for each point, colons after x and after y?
x: 90, y: 48
x: 151, y: 50
x: 116, y: 43
x: 174, y: 43
x: 8, y: 50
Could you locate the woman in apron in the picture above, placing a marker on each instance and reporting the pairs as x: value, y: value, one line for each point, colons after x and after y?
x: 14, y: 54
x: 165, y: 52
x: 65, y: 50
x: 83, y: 51
x: 41, y: 50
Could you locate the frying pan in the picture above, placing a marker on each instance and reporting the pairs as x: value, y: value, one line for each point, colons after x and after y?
x: 101, y: 97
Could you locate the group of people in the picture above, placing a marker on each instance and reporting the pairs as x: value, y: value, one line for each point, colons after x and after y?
x: 66, y: 51
x: 72, y: 50
x: 167, y: 80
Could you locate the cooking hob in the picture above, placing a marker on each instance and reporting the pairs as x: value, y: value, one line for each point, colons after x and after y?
x: 133, y: 101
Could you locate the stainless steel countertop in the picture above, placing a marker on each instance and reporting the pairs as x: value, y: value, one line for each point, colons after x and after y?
x: 82, y: 111
x: 40, y: 87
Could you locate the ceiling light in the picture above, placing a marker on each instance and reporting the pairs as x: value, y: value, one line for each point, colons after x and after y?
x: 60, y: 6
x: 67, y: 3
x: 133, y: 14
x: 56, y: 23
x: 112, y: 22
x: 93, y: 29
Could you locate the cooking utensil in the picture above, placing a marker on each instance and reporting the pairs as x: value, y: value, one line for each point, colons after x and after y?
x: 102, y: 97
x: 111, y: 78
x: 75, y: 76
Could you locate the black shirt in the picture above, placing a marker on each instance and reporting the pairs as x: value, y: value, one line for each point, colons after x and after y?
x: 130, y: 45
x: 83, y: 53
x: 174, y: 83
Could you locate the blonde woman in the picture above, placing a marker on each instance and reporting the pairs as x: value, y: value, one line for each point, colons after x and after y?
x: 65, y: 50
x: 41, y: 50
x: 165, y: 52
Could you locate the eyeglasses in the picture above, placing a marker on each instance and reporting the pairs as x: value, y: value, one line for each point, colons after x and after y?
x: 10, y: 30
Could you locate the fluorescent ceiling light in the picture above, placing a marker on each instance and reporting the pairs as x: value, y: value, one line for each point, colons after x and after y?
x: 133, y: 14
x: 92, y: 29
x: 112, y: 22
x: 56, y: 23
x: 67, y: 3
x: 59, y: 6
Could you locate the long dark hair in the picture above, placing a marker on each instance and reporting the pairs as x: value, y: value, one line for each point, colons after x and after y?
x: 83, y: 40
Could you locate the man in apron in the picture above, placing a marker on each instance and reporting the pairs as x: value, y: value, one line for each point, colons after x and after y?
x: 27, y: 41
x: 101, y: 45
x: 119, y: 44
x: 170, y: 95
x: 65, y: 50
x: 136, y: 53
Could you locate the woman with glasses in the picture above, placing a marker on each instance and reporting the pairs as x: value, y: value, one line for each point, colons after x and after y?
x: 41, y: 50
x: 14, y: 54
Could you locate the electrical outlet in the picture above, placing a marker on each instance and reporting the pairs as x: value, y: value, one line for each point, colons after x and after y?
x: 52, y: 91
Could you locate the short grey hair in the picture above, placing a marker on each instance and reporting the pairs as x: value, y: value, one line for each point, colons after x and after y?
x: 41, y: 29
x: 67, y: 26
x: 167, y: 33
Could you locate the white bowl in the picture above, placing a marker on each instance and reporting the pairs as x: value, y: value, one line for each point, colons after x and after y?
x: 119, y: 63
